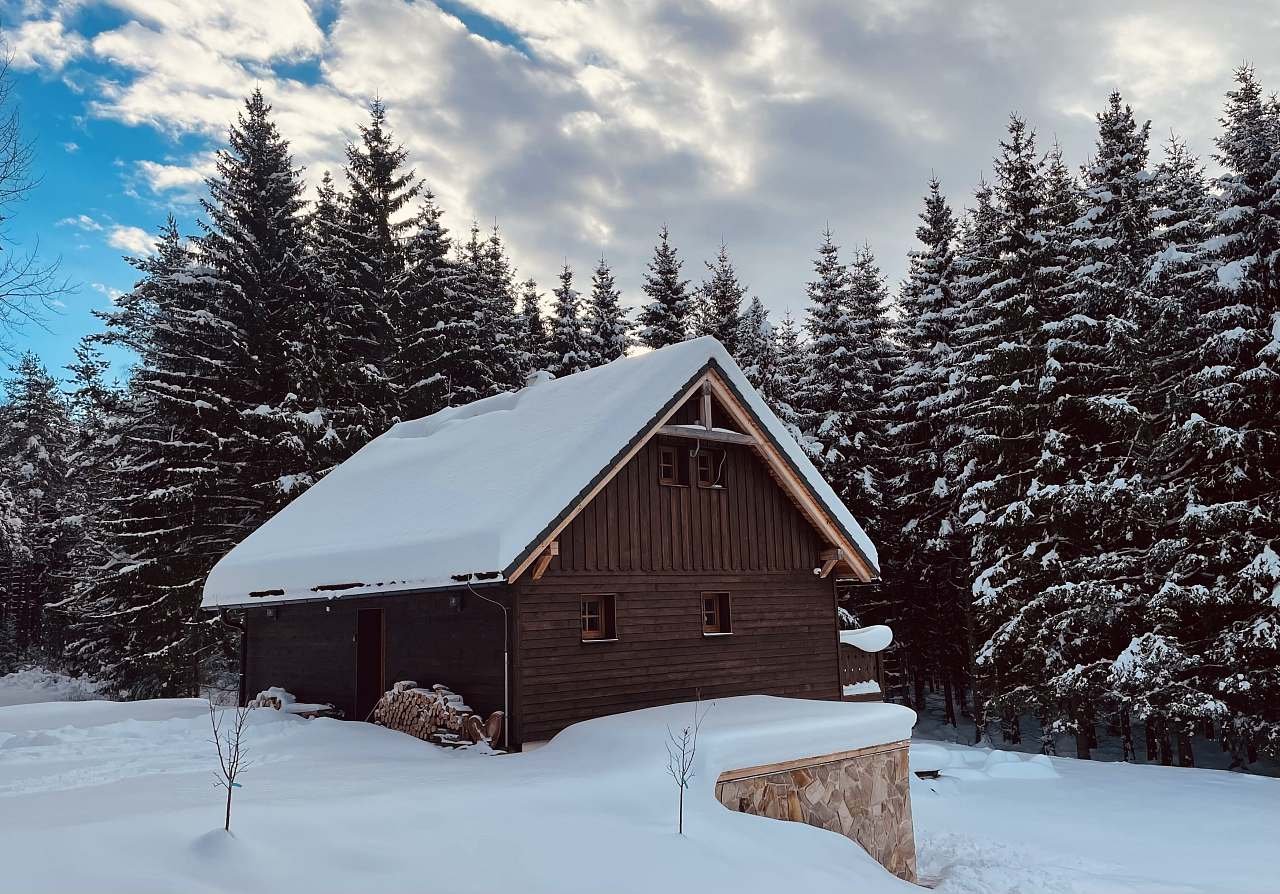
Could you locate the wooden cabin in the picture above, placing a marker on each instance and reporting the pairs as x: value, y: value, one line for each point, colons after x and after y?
x: 638, y: 534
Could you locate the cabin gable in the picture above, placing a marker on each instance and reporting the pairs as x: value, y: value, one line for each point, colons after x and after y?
x: 637, y: 524
x: 649, y: 555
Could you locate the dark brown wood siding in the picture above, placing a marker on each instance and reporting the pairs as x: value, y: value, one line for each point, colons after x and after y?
x: 783, y: 643
x: 310, y: 649
x: 637, y: 524
x: 659, y: 548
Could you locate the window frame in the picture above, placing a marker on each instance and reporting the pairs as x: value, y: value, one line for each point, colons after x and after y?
x: 676, y: 479
x: 716, y: 459
x: 723, y: 612
x: 608, y: 617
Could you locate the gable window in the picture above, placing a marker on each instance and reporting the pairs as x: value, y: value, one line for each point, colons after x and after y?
x: 710, y: 467
x: 716, y: 614
x: 673, y: 468
x: 598, y: 618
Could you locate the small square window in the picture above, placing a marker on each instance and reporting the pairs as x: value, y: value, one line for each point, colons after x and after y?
x: 716, y: 613
x: 598, y: 618
x: 710, y: 467
x: 673, y: 467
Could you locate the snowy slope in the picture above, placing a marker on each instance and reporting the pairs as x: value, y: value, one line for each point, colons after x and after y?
x: 339, y: 807
x: 466, y: 490
x: 333, y: 806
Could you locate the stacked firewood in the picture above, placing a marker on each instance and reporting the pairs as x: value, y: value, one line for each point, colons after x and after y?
x: 281, y: 699
x: 436, y: 715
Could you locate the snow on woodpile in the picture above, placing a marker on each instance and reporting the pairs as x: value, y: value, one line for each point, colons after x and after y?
x: 284, y: 700
x: 468, y: 489
x: 438, y: 715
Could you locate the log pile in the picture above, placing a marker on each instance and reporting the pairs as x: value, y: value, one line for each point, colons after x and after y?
x: 280, y: 699
x: 436, y: 715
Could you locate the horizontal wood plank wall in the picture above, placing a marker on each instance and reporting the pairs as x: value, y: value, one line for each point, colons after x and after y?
x: 311, y: 652
x: 658, y: 548
x: 783, y: 643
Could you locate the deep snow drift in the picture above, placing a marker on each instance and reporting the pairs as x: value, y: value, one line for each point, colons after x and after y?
x: 35, y: 684
x: 123, y: 791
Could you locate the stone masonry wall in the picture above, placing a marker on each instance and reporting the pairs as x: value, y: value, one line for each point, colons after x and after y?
x: 864, y: 795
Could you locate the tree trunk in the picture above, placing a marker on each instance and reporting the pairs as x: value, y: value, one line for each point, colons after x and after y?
x: 1153, y: 751
x: 1084, y: 733
x: 1186, y: 757
x: 917, y: 680
x: 1166, y: 746
x: 1129, y: 754
x: 226, y: 825
x: 949, y: 710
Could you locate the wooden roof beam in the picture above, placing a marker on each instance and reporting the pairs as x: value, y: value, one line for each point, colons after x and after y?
x: 719, y: 435
x: 552, y: 550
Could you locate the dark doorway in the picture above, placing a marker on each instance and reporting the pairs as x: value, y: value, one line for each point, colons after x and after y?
x: 369, y: 661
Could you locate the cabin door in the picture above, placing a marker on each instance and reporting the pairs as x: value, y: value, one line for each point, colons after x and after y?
x: 370, y: 660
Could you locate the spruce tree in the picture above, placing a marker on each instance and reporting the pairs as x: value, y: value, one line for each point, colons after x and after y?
x: 325, y: 317
x: 783, y: 390
x: 608, y: 329
x: 254, y: 246
x: 372, y: 316
x: 35, y: 447
x: 721, y: 302
x: 569, y: 338
x: 1164, y: 677
x: 176, y: 505
x: 423, y: 291
x: 1220, y: 449
x: 1002, y: 362
x: 666, y: 318
x: 756, y: 351
x: 14, y: 554
x: 929, y: 591
x: 500, y: 325
x: 535, y: 341
x: 851, y: 364
x: 99, y: 423
x: 473, y: 330
x: 1088, y: 532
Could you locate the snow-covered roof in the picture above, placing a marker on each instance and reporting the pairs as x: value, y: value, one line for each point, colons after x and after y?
x: 472, y: 489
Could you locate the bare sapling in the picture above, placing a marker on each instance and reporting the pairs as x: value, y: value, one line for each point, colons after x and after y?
x: 231, y: 751
x: 682, y: 747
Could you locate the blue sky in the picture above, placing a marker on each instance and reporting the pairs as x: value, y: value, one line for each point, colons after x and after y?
x: 83, y: 195
x: 581, y: 127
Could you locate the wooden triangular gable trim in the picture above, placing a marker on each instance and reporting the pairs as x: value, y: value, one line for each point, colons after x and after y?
x: 791, y: 480
x: 779, y: 465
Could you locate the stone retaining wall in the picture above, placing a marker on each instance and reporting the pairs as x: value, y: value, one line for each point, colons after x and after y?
x: 864, y: 795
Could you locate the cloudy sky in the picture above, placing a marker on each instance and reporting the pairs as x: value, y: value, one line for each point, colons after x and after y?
x: 581, y: 126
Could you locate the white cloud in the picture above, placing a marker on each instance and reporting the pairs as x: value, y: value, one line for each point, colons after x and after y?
x: 81, y: 222
x: 752, y: 121
x: 44, y: 44
x: 182, y: 182
x: 133, y: 240
x: 111, y: 293
x: 71, y: 148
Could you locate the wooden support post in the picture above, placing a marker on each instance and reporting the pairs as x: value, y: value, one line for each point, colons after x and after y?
x: 706, y: 406
x: 830, y: 558
x: 552, y: 550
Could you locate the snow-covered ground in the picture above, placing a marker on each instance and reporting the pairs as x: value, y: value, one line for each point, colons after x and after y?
x: 107, y: 796
x: 35, y: 684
